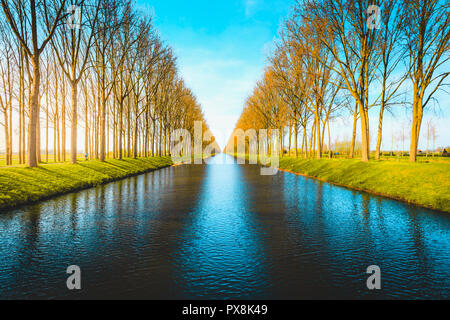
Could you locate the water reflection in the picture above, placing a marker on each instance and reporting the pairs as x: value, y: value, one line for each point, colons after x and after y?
x: 348, y: 231
x: 223, y: 231
x: 221, y: 252
x: 117, y: 234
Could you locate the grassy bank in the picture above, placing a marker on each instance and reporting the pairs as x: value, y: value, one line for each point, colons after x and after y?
x: 21, y: 185
x: 424, y: 184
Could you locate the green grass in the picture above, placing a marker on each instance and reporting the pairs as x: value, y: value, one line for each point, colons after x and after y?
x: 385, y: 156
x: 21, y: 185
x: 424, y: 184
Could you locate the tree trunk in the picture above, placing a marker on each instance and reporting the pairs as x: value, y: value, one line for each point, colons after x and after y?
x: 146, y: 136
x: 312, y: 140
x: 129, y: 128
x: 63, y: 120
x: 86, y: 124
x: 7, y: 144
x: 380, y: 131
x: 319, y: 140
x: 34, y: 110
x: 73, y: 133
x: 305, y: 142
x: 20, y: 127
x: 415, y: 129
x: 120, y: 130
x: 107, y: 135
x: 160, y: 140
x: 38, y: 132
x: 21, y: 106
x: 10, y: 129
x: 153, y: 137
x: 330, y: 155
x: 46, y: 119
x: 103, y: 128
x: 364, y: 135
x: 135, y: 143
x: 24, y: 136
x: 58, y: 138
x: 355, y: 121
x: 290, y: 136
x: 296, y: 139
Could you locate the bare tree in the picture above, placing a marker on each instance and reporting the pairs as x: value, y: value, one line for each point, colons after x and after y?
x: 426, y: 24
x: 72, y: 46
x: 351, y: 40
x: 33, y: 47
x: 391, y: 55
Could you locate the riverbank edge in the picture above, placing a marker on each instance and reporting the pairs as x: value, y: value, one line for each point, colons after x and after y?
x: 12, y: 198
x: 327, y: 173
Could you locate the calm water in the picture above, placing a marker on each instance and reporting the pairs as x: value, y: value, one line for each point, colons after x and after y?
x: 223, y: 231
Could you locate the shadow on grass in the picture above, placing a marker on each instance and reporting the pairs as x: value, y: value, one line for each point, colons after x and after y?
x: 22, y: 186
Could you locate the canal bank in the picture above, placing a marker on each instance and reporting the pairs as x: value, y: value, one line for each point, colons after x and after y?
x: 423, y: 184
x: 21, y: 185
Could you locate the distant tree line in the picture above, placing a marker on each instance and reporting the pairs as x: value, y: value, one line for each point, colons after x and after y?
x: 337, y: 57
x: 92, y: 67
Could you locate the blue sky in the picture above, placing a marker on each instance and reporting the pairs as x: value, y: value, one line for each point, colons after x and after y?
x: 221, y: 48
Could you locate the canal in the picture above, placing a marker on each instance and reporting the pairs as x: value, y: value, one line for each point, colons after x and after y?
x: 223, y: 231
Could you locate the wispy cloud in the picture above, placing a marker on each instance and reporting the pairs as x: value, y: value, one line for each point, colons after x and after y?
x: 250, y: 7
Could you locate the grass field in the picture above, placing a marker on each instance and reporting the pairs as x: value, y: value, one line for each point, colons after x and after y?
x: 20, y: 185
x: 424, y: 183
x: 397, y: 157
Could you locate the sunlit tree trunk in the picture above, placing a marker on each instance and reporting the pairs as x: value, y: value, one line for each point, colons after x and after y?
x: 355, y: 121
